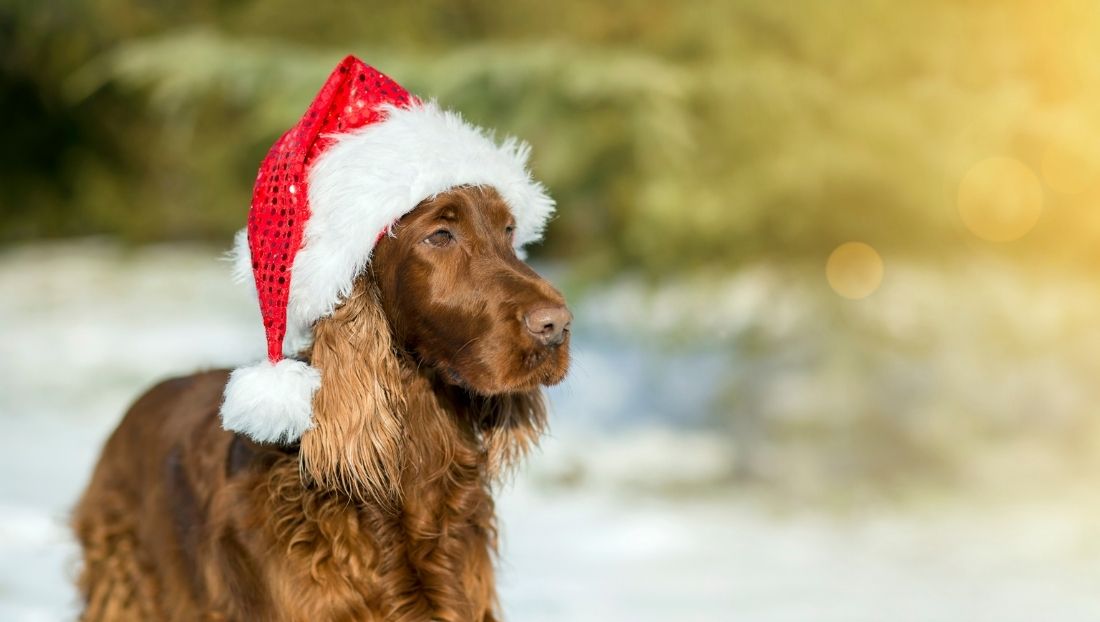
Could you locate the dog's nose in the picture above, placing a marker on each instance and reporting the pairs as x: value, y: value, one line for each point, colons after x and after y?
x: 548, y: 324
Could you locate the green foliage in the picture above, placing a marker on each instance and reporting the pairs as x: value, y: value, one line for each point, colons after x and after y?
x: 675, y: 136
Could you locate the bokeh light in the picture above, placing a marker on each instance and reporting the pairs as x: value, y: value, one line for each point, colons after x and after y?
x: 1000, y: 199
x: 854, y: 270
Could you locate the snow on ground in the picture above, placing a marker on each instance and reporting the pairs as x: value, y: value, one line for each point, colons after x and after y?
x: 87, y: 326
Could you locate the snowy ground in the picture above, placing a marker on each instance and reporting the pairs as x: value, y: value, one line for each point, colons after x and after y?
x: 87, y: 326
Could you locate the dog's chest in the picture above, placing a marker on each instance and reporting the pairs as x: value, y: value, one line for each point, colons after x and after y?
x: 329, y: 558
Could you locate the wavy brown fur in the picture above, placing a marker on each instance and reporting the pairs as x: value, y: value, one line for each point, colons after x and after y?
x: 356, y: 444
x: 384, y: 511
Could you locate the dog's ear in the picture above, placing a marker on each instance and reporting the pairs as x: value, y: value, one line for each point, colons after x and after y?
x: 511, y: 425
x: 356, y: 444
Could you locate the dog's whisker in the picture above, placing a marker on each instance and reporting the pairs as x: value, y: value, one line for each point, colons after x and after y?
x: 463, y: 347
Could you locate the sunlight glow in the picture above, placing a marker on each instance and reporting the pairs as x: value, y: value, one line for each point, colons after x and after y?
x: 1068, y: 171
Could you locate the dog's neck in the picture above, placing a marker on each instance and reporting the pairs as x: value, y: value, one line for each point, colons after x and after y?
x: 380, y: 435
x: 442, y: 443
x: 450, y: 427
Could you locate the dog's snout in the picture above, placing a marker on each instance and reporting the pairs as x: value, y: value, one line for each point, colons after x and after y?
x: 548, y: 324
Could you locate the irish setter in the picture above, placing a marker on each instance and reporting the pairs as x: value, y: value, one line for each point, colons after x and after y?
x: 432, y: 372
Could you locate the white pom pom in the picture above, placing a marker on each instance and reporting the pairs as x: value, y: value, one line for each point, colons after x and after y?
x: 271, y: 403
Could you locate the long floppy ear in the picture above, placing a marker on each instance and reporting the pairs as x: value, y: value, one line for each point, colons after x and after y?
x: 356, y: 444
x: 510, y: 426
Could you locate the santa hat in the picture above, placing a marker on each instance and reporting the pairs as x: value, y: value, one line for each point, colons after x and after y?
x: 365, y: 153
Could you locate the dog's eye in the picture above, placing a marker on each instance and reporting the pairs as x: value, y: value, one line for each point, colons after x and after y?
x: 440, y: 238
x: 510, y: 231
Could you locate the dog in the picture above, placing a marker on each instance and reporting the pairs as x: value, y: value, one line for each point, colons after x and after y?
x: 432, y: 368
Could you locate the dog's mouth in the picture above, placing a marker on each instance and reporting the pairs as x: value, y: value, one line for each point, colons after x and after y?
x: 547, y: 366
x: 541, y: 367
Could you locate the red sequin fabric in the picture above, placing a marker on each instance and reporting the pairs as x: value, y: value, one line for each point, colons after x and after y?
x: 349, y: 100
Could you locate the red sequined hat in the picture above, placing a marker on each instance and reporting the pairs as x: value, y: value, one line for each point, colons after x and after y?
x: 365, y: 153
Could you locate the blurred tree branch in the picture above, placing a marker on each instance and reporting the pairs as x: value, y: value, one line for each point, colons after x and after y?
x: 702, y: 134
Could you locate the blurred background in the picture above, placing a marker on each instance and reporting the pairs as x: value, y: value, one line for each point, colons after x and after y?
x: 834, y: 267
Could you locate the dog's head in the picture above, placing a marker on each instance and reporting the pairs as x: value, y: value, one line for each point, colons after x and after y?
x: 446, y: 306
x: 459, y: 299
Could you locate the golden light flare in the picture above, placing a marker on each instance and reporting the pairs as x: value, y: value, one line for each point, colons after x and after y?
x: 1068, y: 171
x: 1000, y: 199
x: 854, y: 270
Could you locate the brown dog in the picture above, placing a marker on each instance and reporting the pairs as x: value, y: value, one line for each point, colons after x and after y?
x: 432, y: 372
